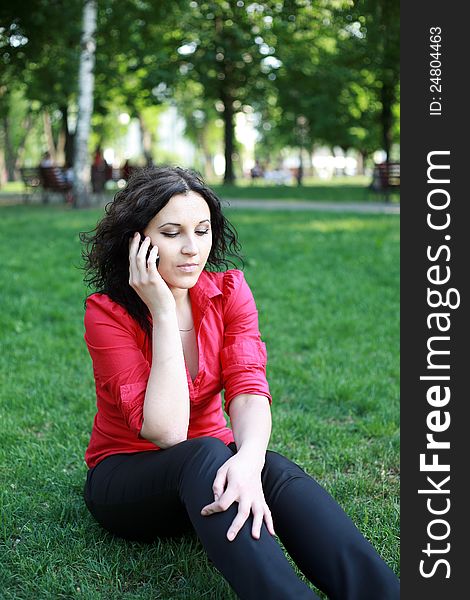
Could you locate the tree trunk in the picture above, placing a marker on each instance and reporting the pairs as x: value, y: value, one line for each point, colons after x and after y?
x: 81, y: 167
x: 69, y: 137
x: 361, y: 162
x: 229, y: 133
x: 146, y: 141
x: 9, y: 153
x: 2, y: 167
x: 26, y: 127
x: 66, y: 138
x: 207, y: 156
x: 46, y: 122
x: 386, y: 119
x: 3, y: 171
x: 300, y: 170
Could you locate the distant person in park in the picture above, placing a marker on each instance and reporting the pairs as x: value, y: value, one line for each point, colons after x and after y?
x: 99, y: 171
x: 168, y: 328
x: 69, y: 172
x: 52, y: 175
x: 257, y: 170
x: 46, y: 160
x: 126, y: 170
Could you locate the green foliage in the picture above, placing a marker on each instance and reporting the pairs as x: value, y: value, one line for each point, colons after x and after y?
x: 315, y: 72
x: 39, y: 47
x: 339, y: 75
x: 327, y: 290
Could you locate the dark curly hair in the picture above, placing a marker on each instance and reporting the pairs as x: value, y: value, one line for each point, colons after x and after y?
x: 106, y: 248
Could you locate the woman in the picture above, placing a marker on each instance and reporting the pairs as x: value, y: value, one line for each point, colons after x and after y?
x: 166, y: 336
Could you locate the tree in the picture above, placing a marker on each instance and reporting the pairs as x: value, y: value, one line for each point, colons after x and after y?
x: 81, y: 165
x: 38, y: 45
x: 134, y: 66
x: 338, y: 83
x: 18, y: 119
x: 222, y: 46
x: 303, y: 109
x: 201, y: 122
x: 382, y: 47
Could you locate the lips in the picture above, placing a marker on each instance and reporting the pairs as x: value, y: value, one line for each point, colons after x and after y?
x: 188, y: 268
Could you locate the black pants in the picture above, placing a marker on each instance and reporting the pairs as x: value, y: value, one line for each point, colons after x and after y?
x: 147, y: 495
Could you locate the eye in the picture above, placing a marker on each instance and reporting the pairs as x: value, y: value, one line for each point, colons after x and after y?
x: 172, y: 235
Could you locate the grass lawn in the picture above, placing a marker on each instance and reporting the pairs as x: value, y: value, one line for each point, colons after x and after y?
x: 338, y: 189
x: 327, y: 289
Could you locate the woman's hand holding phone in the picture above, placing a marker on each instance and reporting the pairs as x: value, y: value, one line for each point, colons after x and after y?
x: 145, y: 279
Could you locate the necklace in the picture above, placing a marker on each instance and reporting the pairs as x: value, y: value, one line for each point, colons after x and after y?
x: 187, y: 329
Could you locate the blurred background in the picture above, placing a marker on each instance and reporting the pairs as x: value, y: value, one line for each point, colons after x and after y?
x: 281, y: 93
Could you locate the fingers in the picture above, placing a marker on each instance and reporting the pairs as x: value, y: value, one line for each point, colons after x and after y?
x: 138, y: 262
x: 257, y: 522
x: 141, y: 257
x: 268, y: 519
x: 244, y: 510
x: 239, y: 521
x: 152, y: 260
x: 218, y: 488
x: 259, y: 514
x: 135, y: 249
x: 220, y: 505
x: 220, y: 480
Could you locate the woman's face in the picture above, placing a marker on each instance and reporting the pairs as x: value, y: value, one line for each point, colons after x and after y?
x: 182, y: 231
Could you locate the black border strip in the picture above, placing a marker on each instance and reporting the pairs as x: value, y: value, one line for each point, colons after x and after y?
x: 424, y: 131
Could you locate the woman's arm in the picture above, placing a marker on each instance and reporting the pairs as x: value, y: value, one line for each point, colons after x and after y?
x: 250, y: 416
x: 166, y: 403
x: 247, y: 401
x: 239, y: 478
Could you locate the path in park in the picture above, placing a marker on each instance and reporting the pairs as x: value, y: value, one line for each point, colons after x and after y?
x: 366, y: 207
x: 297, y: 205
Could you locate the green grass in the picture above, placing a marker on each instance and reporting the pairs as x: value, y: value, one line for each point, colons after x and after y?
x: 327, y: 291
x: 338, y: 189
x: 12, y: 187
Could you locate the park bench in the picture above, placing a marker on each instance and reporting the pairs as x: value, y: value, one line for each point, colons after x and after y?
x: 54, y: 179
x: 385, y: 179
x: 31, y: 181
x: 46, y: 179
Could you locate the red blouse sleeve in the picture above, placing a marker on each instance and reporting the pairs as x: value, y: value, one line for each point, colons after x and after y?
x: 120, y: 368
x: 243, y: 356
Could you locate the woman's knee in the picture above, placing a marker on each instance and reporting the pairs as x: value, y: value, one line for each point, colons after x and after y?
x: 197, y: 474
x: 209, y: 446
x: 278, y: 465
x: 207, y: 454
x: 278, y: 472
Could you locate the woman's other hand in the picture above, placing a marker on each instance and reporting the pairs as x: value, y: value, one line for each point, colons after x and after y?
x: 238, y: 480
x: 145, y: 279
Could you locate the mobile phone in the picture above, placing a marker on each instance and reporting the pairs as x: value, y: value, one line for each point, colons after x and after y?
x: 142, y: 238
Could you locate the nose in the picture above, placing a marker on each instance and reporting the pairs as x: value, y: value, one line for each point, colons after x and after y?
x: 190, y: 246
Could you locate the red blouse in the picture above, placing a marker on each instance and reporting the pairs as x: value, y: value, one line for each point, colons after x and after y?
x: 231, y: 357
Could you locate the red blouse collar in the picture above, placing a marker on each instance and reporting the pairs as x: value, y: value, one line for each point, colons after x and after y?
x: 205, y: 288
